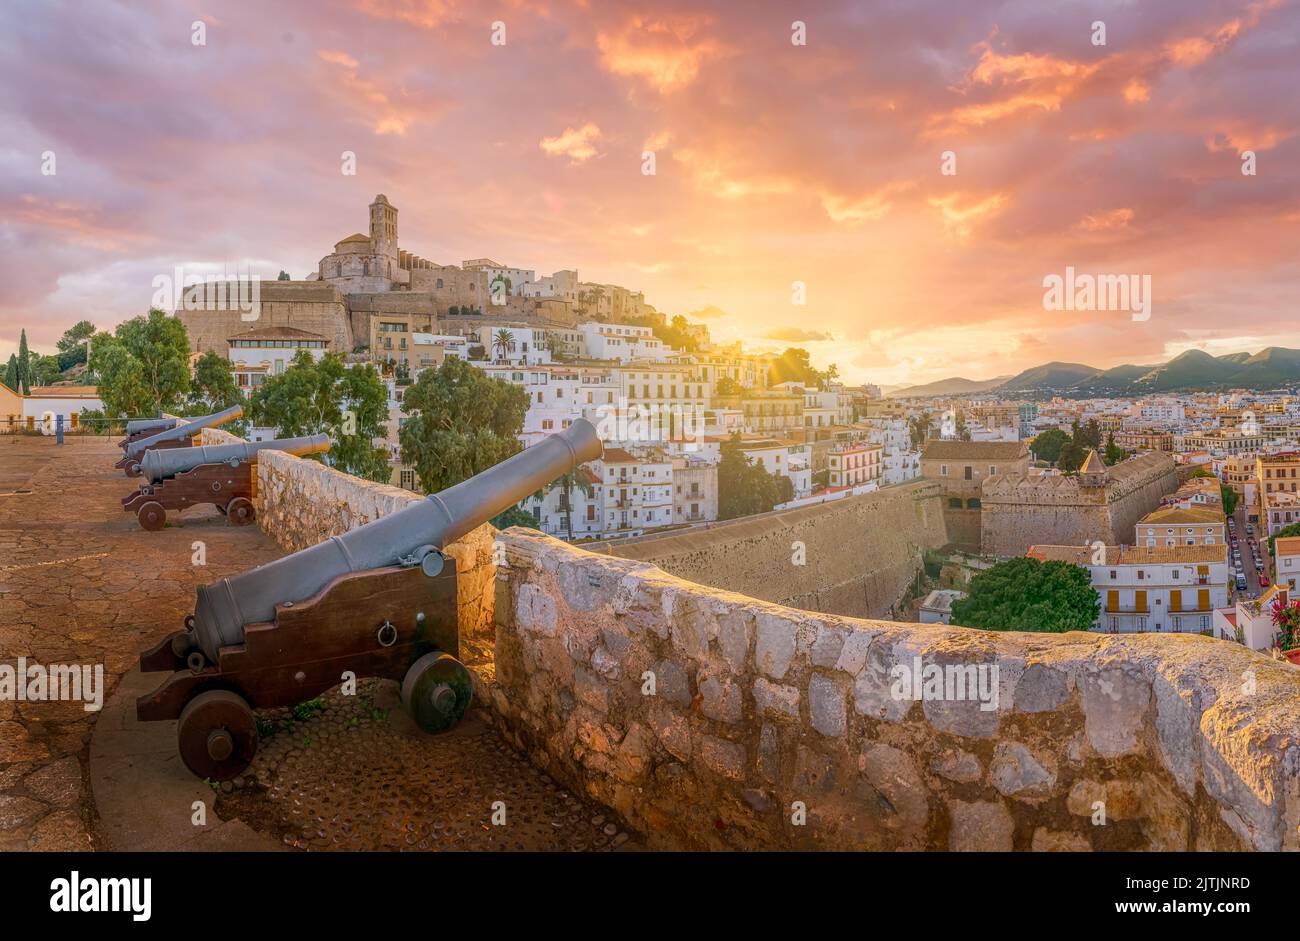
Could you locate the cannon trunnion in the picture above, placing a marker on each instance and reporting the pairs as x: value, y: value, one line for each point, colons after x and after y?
x: 396, y: 622
x: 227, y: 486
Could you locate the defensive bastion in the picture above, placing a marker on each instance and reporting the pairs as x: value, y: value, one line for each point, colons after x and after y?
x: 709, y: 719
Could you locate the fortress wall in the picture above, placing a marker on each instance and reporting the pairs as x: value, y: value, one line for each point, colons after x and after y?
x: 963, y: 526
x: 860, y: 554
x: 709, y: 720
x: 1011, y: 528
x: 306, y: 305
x: 1137, y: 502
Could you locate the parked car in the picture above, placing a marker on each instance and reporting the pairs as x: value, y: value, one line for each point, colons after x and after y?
x: 1263, y: 580
x: 1241, y: 582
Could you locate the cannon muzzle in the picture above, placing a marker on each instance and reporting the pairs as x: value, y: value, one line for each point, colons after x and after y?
x: 160, y: 464
x: 187, y: 430
x: 155, y: 425
x: 224, y: 607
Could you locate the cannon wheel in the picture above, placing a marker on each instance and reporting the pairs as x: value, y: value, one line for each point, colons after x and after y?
x: 437, y: 691
x: 152, y: 516
x: 217, y: 735
x: 239, y: 511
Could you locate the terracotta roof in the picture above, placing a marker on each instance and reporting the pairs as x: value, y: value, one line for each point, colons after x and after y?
x: 618, y: 456
x: 1131, y: 555
x: 944, y: 450
x: 1174, y: 514
x: 1287, y: 545
x: 69, y: 391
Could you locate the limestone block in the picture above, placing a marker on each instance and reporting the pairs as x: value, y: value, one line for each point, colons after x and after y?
x: 1016, y: 772
x: 773, y: 699
x: 826, y: 707
x: 776, y: 644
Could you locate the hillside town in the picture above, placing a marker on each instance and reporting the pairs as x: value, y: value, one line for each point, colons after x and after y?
x: 1170, y: 501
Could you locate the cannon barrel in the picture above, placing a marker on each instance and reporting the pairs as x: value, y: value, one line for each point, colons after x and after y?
x: 157, y: 465
x: 150, y: 424
x: 224, y: 607
x: 188, y: 430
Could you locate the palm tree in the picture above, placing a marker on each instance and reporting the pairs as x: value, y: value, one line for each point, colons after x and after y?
x: 501, y: 342
x: 920, y: 429
x: 576, y: 478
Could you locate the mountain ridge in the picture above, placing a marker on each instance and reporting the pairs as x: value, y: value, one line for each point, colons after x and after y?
x: 1189, y: 371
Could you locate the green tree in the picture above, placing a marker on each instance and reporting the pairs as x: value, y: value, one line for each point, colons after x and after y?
x: 745, y: 487
x: 1292, y: 530
x: 45, y: 370
x: 919, y: 427
x: 1072, y: 456
x: 283, y: 276
x: 1088, y: 436
x: 72, y: 345
x: 501, y: 341
x: 1229, y: 498
x: 349, y: 403
x: 727, y: 386
x: 461, y: 422
x: 11, y: 372
x: 963, y: 433
x: 1114, y: 453
x: 794, y: 365
x: 566, y: 483
x: 121, y: 379
x: 143, y: 367
x: 213, y: 388
x: 514, y: 516
x: 24, y: 366
x: 1027, y: 594
x: 1047, y: 445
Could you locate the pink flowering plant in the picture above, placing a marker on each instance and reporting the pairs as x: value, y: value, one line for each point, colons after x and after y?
x: 1286, y: 618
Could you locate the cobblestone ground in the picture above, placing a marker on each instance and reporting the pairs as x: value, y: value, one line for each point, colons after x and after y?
x: 354, y: 773
x: 80, y: 582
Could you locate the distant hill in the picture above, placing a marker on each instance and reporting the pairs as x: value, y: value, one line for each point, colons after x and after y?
x: 953, y: 386
x: 1052, y: 377
x: 1191, y: 371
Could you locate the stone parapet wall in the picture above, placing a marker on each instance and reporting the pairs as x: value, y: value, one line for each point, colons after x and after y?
x: 859, y: 555
x: 302, y: 502
x: 210, y: 437
x: 761, y: 716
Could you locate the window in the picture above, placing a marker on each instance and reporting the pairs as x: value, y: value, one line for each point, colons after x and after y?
x: 968, y: 475
x: 943, y: 470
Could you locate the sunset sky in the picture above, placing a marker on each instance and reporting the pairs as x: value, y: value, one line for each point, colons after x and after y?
x: 775, y: 163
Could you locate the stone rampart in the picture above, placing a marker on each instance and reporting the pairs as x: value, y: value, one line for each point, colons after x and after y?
x: 855, y: 556
x: 710, y: 720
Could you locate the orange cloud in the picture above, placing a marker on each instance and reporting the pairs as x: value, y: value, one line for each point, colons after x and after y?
x: 1106, y: 221
x: 662, y: 52
x: 386, y: 117
x: 1031, y: 82
x: 961, y: 214
x: 426, y: 14
x: 576, y: 144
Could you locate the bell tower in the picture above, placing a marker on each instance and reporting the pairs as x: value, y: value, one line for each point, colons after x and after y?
x: 383, y: 227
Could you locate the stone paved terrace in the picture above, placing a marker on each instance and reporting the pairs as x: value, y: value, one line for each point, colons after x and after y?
x: 81, y: 582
